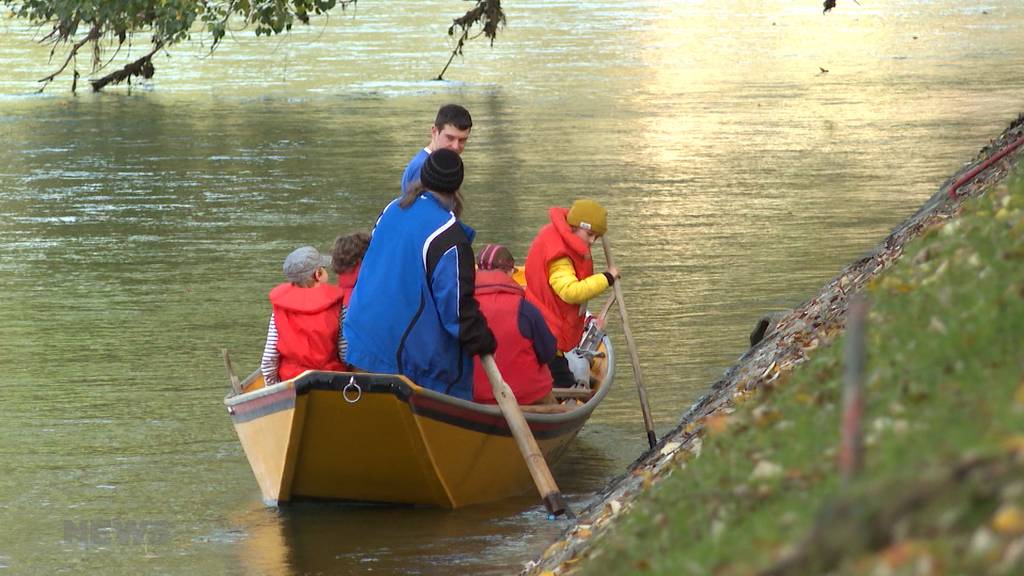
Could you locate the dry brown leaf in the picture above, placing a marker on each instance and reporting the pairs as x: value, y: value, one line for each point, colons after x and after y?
x: 1014, y: 444
x: 669, y: 448
x: 804, y: 399
x: 896, y: 285
x: 554, y: 549
x: 1018, y: 396
x: 1008, y: 520
x: 765, y: 415
x: 717, y: 423
x: 901, y: 553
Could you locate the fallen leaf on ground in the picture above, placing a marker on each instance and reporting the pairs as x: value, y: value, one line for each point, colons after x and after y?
x: 983, y: 542
x: 1014, y: 444
x: 1008, y: 520
x: 716, y: 423
x: 902, y: 553
x: 554, y: 549
x: 1018, y: 396
x: 766, y: 470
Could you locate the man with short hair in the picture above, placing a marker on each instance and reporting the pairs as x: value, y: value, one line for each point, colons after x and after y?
x: 450, y: 130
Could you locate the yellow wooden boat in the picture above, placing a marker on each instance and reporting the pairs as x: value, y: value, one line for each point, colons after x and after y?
x: 381, y: 438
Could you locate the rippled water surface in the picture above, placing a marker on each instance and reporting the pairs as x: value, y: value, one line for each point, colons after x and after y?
x: 141, y: 230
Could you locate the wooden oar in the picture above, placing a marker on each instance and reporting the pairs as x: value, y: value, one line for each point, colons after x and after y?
x: 634, y: 359
x: 236, y: 386
x: 604, y: 310
x: 535, y: 462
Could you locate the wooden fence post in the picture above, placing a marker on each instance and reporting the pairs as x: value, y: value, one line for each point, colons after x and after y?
x: 851, y: 446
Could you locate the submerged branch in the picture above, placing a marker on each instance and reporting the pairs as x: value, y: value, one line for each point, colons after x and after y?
x: 141, y: 67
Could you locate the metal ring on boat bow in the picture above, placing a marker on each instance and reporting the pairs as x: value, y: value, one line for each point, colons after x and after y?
x: 345, y: 391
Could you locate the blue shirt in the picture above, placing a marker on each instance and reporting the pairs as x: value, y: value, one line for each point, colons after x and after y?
x: 412, y: 171
x: 412, y: 174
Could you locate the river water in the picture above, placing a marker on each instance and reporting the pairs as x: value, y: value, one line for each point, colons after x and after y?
x: 141, y: 230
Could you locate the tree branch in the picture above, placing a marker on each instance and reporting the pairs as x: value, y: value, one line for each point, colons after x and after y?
x: 488, y: 14
x: 141, y: 67
x: 94, y: 34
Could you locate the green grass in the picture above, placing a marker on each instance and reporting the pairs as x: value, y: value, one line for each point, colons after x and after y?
x: 944, y: 385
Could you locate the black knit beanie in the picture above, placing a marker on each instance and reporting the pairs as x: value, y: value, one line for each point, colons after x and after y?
x: 442, y: 172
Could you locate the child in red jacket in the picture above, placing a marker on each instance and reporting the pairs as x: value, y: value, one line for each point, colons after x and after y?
x: 560, y: 276
x: 525, y: 344
x: 305, y: 325
x: 346, y: 257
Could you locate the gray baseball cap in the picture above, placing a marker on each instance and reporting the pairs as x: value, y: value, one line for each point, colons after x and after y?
x: 300, y: 265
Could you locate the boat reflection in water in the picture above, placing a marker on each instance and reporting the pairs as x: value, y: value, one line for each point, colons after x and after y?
x: 347, y: 538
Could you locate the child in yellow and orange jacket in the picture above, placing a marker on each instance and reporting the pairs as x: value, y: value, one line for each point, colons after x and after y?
x: 560, y: 276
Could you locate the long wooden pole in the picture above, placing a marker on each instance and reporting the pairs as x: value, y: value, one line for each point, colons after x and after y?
x: 634, y: 359
x: 851, y: 445
x: 604, y: 310
x: 532, y: 455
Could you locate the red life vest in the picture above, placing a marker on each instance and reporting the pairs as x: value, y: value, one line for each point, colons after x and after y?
x: 554, y: 241
x: 347, y: 282
x: 307, y: 328
x: 500, y: 297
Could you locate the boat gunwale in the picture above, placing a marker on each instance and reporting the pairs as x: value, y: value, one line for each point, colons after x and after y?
x: 406, y: 390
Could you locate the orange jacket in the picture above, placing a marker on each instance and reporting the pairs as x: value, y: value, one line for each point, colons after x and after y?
x: 501, y: 301
x: 307, y: 328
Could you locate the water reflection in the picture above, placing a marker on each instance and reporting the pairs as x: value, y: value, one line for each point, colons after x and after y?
x: 315, y: 537
x: 343, y: 539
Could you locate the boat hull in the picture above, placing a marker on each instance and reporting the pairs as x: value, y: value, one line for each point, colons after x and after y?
x: 381, y: 438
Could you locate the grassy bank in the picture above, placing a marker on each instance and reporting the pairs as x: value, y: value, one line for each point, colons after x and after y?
x: 942, y: 490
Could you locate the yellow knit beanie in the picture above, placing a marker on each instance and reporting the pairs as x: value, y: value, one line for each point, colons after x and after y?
x: 590, y: 215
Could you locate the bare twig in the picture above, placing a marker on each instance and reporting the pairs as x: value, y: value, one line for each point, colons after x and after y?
x: 455, y: 52
x: 111, y: 59
x: 94, y: 34
x: 488, y: 13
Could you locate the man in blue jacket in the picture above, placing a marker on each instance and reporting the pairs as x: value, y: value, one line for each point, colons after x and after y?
x: 450, y: 130
x: 413, y: 310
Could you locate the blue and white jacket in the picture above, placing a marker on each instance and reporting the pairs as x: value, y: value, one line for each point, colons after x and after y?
x: 412, y: 311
